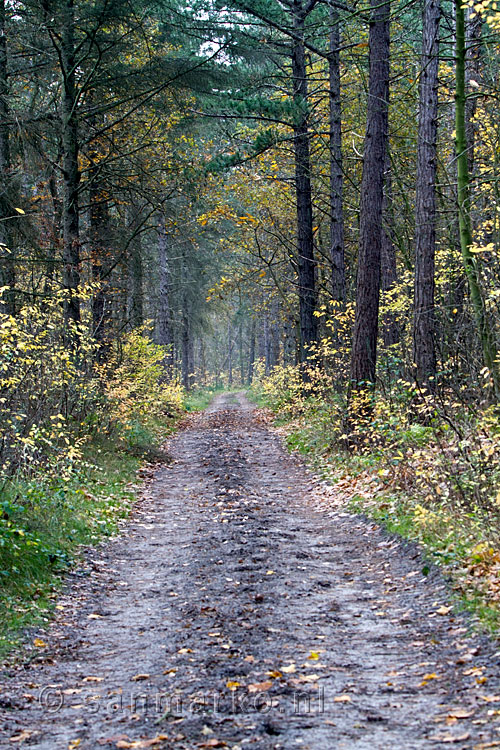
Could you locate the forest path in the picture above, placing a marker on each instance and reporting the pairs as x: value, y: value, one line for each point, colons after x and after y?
x: 231, y: 613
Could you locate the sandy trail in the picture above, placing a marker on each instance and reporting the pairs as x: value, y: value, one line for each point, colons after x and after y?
x: 231, y: 613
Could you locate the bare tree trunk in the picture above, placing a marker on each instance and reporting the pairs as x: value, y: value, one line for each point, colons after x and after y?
x: 364, y: 348
x: 424, y: 354
x: 336, y: 170
x: 7, y: 267
x: 100, y: 238
x: 135, y: 271
x: 229, y: 355
x: 71, y: 172
x: 306, y: 264
x: 251, y: 355
x: 55, y: 234
x: 389, y: 273
x: 267, y: 345
x: 164, y: 330
x: 240, y: 345
x: 470, y: 261
x: 186, y: 336
x: 473, y: 74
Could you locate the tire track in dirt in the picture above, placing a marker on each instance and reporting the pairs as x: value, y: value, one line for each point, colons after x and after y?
x: 233, y: 614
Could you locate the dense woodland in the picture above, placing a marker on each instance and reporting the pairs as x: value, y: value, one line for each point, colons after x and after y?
x: 234, y: 177
x: 299, y: 195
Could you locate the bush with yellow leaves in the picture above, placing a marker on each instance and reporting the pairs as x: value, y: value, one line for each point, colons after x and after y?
x: 47, y: 386
x: 134, y: 382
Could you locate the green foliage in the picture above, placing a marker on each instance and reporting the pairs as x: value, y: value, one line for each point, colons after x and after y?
x: 133, y: 381
x: 200, y: 398
x: 424, y: 466
x: 43, y: 522
x: 70, y: 437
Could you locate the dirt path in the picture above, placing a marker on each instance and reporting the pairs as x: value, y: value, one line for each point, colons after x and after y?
x: 233, y: 614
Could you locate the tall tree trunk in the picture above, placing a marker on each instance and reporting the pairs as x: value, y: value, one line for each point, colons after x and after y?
x: 471, y: 263
x: 7, y: 267
x: 305, y: 242
x: 275, y: 334
x: 240, y: 345
x: 473, y: 75
x: 186, y: 335
x: 229, y: 356
x: 71, y: 172
x: 164, y: 330
x: 55, y: 233
x: 389, y: 273
x: 100, y: 240
x: 251, y: 355
x: 267, y: 345
x: 336, y: 169
x: 135, y: 271
x: 364, y: 348
x: 424, y: 354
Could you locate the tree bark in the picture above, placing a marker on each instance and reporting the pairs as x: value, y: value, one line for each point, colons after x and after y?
x: 7, y: 267
x: 100, y: 240
x: 424, y: 354
x: 185, y: 343
x: 229, y: 356
x: 251, y: 356
x: 389, y: 272
x: 364, y: 348
x: 164, y: 330
x: 71, y: 172
x: 135, y: 271
x: 336, y: 169
x: 470, y: 262
x: 305, y: 243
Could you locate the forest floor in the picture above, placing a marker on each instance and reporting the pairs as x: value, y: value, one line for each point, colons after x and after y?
x: 233, y: 612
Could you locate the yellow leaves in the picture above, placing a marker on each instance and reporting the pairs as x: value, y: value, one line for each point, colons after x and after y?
x: 233, y: 684
x: 39, y: 643
x: 428, y: 677
x: 20, y: 211
x: 313, y: 655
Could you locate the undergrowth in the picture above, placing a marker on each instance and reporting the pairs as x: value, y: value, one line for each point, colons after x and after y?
x: 46, y: 520
x: 425, y: 467
x: 76, y: 423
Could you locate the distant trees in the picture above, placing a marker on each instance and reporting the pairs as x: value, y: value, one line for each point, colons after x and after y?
x: 222, y: 174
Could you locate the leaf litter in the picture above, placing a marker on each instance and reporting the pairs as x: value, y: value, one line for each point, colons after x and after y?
x: 243, y: 597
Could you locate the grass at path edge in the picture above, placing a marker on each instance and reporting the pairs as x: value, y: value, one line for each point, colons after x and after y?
x: 459, y: 544
x: 53, y: 518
